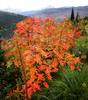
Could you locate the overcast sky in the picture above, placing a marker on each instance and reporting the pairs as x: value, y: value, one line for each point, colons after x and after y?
x: 28, y: 5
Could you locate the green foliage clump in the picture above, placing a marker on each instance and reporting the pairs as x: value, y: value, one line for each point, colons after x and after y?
x: 81, y: 48
x: 83, y: 26
x: 9, y: 75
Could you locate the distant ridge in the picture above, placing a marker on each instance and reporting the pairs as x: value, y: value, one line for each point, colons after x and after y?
x: 57, y: 12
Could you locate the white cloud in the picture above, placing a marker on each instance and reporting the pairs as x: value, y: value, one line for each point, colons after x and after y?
x: 39, y: 4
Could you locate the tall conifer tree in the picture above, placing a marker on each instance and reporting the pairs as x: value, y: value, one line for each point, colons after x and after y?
x: 72, y: 15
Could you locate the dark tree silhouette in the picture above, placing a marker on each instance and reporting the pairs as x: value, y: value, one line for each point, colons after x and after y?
x: 77, y: 17
x: 72, y: 15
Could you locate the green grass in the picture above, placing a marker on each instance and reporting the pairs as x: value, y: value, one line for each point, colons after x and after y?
x: 72, y: 85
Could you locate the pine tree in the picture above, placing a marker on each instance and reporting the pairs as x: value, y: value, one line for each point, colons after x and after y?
x: 72, y: 15
x: 77, y: 17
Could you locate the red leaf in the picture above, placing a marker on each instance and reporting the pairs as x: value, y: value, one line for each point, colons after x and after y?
x: 46, y: 84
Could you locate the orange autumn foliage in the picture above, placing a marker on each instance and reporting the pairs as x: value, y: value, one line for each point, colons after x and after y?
x: 39, y: 47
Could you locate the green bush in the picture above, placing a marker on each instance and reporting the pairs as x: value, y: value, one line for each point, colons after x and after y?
x: 9, y: 75
x: 81, y: 48
x: 83, y: 26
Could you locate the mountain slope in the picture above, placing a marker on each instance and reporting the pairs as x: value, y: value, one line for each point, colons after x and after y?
x: 7, y: 23
x: 6, y: 18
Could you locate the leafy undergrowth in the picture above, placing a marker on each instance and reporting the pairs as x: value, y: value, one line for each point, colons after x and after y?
x: 9, y: 75
x: 81, y: 48
x: 71, y: 85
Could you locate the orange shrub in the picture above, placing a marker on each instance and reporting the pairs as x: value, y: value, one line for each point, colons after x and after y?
x: 39, y: 47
